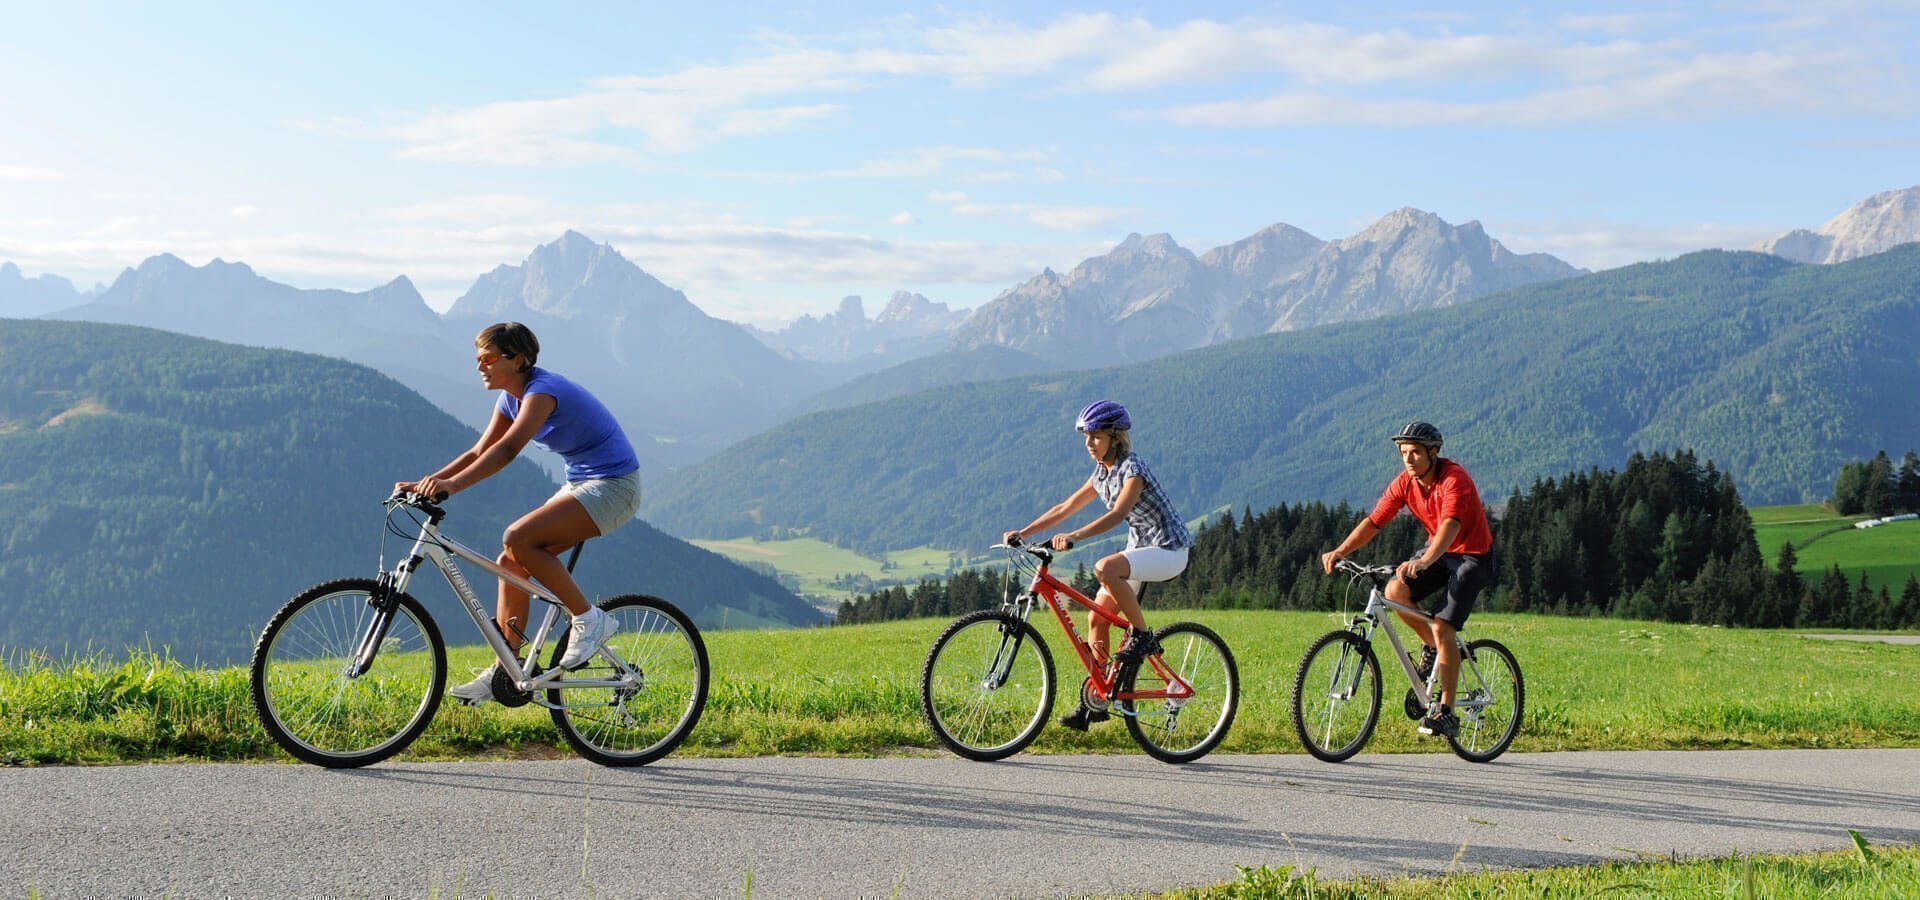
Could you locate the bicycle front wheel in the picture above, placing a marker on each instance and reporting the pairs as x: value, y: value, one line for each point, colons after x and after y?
x: 314, y: 707
x: 661, y: 664
x: 987, y: 686
x: 1489, y: 702
x: 1336, y: 696
x: 1181, y: 730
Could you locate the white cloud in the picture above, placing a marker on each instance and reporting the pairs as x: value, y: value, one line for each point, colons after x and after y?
x: 29, y: 173
x: 903, y: 218
x: 243, y: 212
x: 1055, y: 218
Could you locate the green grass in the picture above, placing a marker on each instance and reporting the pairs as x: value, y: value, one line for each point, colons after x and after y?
x: 1860, y: 872
x: 1888, y: 554
x: 1591, y: 684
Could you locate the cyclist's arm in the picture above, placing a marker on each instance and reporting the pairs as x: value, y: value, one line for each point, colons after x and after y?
x: 1130, y: 491
x: 1436, y: 547
x: 498, y: 445
x: 1060, y: 511
x: 1362, y: 533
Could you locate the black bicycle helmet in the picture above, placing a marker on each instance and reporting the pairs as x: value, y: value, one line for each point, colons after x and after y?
x: 1419, y: 433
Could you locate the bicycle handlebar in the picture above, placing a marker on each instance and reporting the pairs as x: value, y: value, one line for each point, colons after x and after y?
x: 1356, y: 569
x: 417, y: 501
x: 1043, y: 551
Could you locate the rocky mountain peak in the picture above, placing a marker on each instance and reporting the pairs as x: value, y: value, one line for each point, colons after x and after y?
x: 1874, y: 225
x: 573, y: 277
x: 851, y: 310
x: 906, y: 306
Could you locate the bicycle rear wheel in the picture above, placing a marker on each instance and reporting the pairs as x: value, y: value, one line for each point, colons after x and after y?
x: 1489, y: 702
x: 1336, y: 696
x: 1180, y: 731
x: 310, y: 705
x: 987, y: 686
x: 664, y: 664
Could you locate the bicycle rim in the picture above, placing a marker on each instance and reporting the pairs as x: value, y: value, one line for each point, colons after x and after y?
x: 1489, y: 702
x: 663, y: 662
x: 1182, y: 730
x: 302, y: 691
x: 987, y: 686
x: 1336, y: 696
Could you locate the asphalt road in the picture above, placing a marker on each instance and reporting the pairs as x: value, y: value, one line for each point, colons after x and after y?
x: 919, y: 827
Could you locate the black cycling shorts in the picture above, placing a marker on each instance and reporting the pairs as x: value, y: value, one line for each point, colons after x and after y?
x: 1464, y: 575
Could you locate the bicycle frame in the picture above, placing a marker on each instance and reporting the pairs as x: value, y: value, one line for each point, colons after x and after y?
x: 433, y: 546
x: 1374, y: 616
x: 1048, y: 589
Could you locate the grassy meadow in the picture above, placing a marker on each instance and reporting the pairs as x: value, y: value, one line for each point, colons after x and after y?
x: 1888, y: 554
x: 1591, y: 684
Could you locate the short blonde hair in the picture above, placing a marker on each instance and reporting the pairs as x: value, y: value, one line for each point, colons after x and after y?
x: 1122, y: 444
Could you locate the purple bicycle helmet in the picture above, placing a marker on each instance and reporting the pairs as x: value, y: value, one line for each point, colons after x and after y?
x: 1103, y: 415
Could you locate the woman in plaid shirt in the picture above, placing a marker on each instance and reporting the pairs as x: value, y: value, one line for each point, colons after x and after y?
x: 1157, y: 539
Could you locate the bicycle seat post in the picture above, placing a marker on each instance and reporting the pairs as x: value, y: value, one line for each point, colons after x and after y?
x: 574, y: 557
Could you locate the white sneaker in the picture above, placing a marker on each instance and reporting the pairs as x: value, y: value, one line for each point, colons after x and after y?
x: 477, y: 692
x: 590, y: 630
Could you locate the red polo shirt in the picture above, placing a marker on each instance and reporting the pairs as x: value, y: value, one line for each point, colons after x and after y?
x: 1453, y: 496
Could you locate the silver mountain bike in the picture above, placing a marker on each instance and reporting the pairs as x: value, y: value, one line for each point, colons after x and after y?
x: 350, y: 672
x: 1336, y: 692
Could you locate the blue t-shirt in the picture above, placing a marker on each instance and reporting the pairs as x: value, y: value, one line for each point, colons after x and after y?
x: 1152, y: 522
x: 580, y: 429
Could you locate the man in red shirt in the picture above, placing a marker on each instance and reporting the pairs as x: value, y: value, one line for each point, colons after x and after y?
x: 1440, y: 494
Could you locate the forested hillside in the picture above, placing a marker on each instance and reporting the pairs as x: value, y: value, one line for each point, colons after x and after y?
x: 1778, y: 371
x: 173, y: 491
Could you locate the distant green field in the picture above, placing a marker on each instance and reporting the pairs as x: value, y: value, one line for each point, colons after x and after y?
x: 818, y: 565
x: 1888, y: 554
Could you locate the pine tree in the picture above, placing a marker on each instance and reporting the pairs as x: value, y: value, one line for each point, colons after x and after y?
x: 1881, y: 492
x: 1910, y: 482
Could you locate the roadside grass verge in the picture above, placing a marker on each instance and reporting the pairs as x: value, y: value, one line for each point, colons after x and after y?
x: 1860, y: 872
x: 1592, y: 684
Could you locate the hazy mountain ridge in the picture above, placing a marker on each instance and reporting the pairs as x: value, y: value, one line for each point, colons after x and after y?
x: 177, y: 489
x: 665, y: 368
x: 22, y: 297
x: 1778, y: 372
x: 909, y: 326
x: 1874, y: 225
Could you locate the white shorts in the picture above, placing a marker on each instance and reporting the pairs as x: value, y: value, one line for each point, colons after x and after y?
x: 610, y: 502
x: 1153, y: 564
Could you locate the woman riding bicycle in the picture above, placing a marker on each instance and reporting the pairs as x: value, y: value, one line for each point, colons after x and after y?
x: 1157, y: 540
x: 602, y: 491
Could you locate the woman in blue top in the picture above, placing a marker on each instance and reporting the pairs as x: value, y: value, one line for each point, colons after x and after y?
x: 602, y: 491
x: 1157, y: 541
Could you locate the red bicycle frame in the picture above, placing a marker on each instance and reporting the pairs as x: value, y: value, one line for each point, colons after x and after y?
x: 1055, y: 593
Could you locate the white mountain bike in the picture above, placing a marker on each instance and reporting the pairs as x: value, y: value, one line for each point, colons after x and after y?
x: 350, y: 672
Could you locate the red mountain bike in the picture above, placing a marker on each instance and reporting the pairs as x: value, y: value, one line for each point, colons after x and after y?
x: 988, y: 685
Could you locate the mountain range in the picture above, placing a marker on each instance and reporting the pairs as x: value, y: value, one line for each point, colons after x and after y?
x: 686, y: 385
x: 1776, y: 372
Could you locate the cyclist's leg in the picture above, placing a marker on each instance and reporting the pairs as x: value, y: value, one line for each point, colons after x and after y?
x: 1400, y: 592
x: 1113, y: 572
x: 535, y: 543
x: 1466, y: 576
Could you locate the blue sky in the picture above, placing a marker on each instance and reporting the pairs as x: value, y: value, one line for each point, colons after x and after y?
x: 769, y: 158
